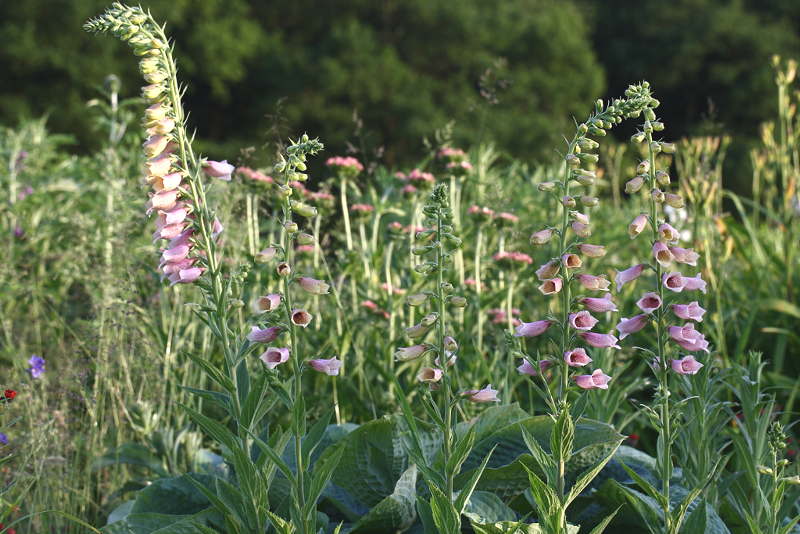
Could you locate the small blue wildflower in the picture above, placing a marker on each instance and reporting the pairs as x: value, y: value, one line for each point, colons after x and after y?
x: 36, y: 368
x: 3, y: 439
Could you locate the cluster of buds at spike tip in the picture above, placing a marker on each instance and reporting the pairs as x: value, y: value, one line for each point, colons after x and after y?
x: 455, y: 160
x: 557, y: 273
x: 666, y: 252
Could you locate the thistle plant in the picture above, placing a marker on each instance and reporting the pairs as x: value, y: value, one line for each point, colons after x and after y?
x: 658, y: 309
x: 443, y: 512
x: 558, y: 277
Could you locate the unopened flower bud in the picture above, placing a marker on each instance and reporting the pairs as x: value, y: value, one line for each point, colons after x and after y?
x: 430, y: 319
x: 592, y: 158
x: 450, y: 344
x: 237, y: 303
x: 303, y: 209
x: 668, y: 148
x: 572, y: 160
x: 655, y: 146
x: 674, y: 201
x: 589, y: 202
x: 585, y: 179
x: 649, y: 114
x: 643, y: 167
x: 458, y: 301
x: 153, y: 92
x: 662, y: 178
x: 541, y: 237
x: 284, y: 191
x: 417, y: 299
x: 568, y: 202
x: 638, y: 137
x: 634, y: 185
x: 291, y: 227
x: 268, y: 254
x: 447, y: 287
x: 657, y: 126
x: 547, y: 186
x: 298, y: 177
x: 587, y: 144
x: 304, y: 239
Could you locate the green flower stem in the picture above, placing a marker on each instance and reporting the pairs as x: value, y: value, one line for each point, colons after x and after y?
x: 665, y: 461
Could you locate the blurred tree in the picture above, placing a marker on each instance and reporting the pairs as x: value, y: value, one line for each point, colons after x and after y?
x: 407, y: 67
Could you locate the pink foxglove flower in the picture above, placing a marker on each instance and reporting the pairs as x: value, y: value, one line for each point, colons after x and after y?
x: 571, y: 261
x: 600, y: 341
x: 649, y: 302
x: 668, y: 234
x: 632, y: 325
x: 301, y: 318
x: 577, y: 357
x: 186, y: 276
x: 268, y: 254
x: 628, y: 275
x: 404, y: 354
x: 313, y: 286
x: 551, y: 286
x: 536, y: 328
x: 547, y: 271
x: 581, y: 229
x: 599, y: 305
x: 541, y: 237
x: 592, y: 251
x: 662, y: 254
x: 274, y: 356
x: 690, y: 312
x: 486, y: 394
x: 219, y: 169
x: 693, y: 283
x: 688, y: 338
x: 330, y: 366
x: 268, y: 303
x: 264, y: 335
x: 159, y: 166
x: 593, y: 283
x: 163, y: 200
x: 527, y: 369
x: 673, y: 281
x: 582, y: 320
x: 685, y: 255
x: 637, y: 225
x: 596, y: 380
x: 430, y: 375
x: 686, y: 365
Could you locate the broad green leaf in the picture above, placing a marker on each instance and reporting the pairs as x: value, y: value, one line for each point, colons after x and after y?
x: 395, y: 512
x: 131, y: 454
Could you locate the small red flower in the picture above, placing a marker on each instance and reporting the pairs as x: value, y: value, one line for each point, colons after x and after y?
x: 9, y: 394
x: 10, y: 530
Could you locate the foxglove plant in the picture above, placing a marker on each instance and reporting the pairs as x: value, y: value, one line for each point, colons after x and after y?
x: 438, y: 242
x: 560, y: 275
x: 660, y: 307
x: 193, y: 255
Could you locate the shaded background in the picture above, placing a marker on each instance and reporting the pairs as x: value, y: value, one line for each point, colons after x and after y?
x: 385, y: 74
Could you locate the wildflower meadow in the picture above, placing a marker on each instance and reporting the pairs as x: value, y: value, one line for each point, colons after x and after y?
x: 303, y: 338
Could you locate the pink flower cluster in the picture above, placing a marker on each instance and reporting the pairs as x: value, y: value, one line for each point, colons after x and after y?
x: 665, y: 251
x: 347, y: 163
x: 499, y: 316
x: 362, y: 208
x: 169, y: 201
x: 510, y: 258
x: 581, y: 321
x: 415, y: 180
x: 254, y: 175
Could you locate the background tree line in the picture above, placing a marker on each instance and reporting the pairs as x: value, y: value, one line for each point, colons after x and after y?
x: 513, y: 71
